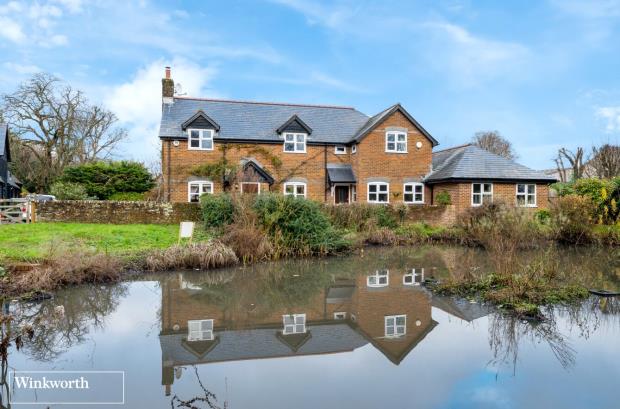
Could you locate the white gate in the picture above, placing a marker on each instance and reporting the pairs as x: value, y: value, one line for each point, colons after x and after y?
x: 16, y: 211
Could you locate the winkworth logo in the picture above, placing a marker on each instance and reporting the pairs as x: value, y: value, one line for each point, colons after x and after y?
x: 67, y: 387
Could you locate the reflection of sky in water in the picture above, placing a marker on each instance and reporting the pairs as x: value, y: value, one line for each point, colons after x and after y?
x: 452, y: 366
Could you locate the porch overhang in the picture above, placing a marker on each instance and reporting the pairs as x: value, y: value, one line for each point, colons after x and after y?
x: 339, y: 173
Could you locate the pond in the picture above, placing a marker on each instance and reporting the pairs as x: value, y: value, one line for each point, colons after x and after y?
x: 345, y: 332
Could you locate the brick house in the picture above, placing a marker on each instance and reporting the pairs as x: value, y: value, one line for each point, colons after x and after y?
x: 331, y: 154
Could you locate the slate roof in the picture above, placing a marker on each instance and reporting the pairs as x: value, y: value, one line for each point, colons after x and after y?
x: 469, y: 162
x: 4, y: 134
x: 340, y: 173
x: 259, y: 121
x: 460, y: 308
x: 262, y: 343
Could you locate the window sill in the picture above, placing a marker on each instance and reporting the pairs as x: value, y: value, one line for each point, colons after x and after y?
x: 399, y: 152
x: 199, y: 149
x: 295, y: 152
x: 413, y: 203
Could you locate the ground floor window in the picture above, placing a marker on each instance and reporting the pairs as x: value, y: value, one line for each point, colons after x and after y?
x: 200, y: 330
x: 296, y: 189
x: 380, y: 278
x: 481, y: 193
x: 526, y: 195
x: 413, y: 193
x: 395, y: 326
x: 415, y: 276
x: 378, y: 192
x: 340, y: 315
x: 197, y: 188
x: 294, y: 324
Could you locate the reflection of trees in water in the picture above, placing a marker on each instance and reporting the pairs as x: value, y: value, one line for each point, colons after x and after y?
x: 507, y: 332
x: 207, y: 398
x: 56, y: 331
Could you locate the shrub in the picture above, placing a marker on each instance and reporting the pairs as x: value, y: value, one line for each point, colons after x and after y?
x: 382, y: 237
x: 212, y: 254
x: 363, y: 216
x: 127, y: 197
x: 563, y: 188
x: 543, y: 216
x: 443, y: 198
x: 248, y: 242
x: 217, y: 210
x: 68, y: 191
x: 297, y: 225
x: 103, y: 179
x: 571, y: 218
x: 385, y: 218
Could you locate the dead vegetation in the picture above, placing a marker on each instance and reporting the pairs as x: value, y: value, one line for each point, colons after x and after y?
x: 207, y: 255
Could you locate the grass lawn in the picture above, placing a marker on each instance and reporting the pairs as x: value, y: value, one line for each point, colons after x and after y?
x: 30, y: 242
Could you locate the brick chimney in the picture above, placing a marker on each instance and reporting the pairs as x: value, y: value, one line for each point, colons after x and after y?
x: 167, y: 85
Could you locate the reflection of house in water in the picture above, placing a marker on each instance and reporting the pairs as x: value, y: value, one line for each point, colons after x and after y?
x: 461, y: 308
x: 387, y: 309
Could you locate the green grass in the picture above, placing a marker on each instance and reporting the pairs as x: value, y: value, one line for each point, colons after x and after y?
x: 32, y: 242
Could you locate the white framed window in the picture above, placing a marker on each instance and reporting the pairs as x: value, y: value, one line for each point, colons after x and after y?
x: 354, y: 148
x: 340, y: 315
x: 381, y: 278
x: 396, y: 142
x: 481, y: 193
x: 353, y: 193
x: 200, y: 139
x: 200, y: 330
x: 340, y: 149
x: 378, y: 192
x: 197, y: 188
x: 415, y: 276
x: 294, y: 324
x: 395, y: 326
x: 295, y: 142
x: 526, y: 195
x: 413, y: 193
x: 296, y: 189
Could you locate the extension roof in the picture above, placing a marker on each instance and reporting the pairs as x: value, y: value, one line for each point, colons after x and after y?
x: 265, y: 121
x: 469, y: 162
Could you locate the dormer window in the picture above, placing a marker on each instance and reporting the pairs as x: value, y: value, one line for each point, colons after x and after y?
x: 295, y: 142
x: 200, y: 139
x: 396, y: 142
x: 340, y: 150
x: 200, y: 330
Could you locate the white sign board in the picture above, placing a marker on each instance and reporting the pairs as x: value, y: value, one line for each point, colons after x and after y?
x: 186, y: 230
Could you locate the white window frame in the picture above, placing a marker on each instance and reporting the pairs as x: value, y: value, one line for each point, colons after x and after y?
x: 288, y: 328
x: 413, y: 185
x: 395, y: 333
x: 201, y: 184
x: 482, y: 193
x: 340, y: 150
x: 396, y: 141
x: 251, y: 183
x: 340, y: 315
x: 202, y: 136
x: 199, y: 334
x: 378, y: 184
x: 526, y: 194
x: 377, y: 276
x: 295, y: 185
x: 410, y: 277
x: 294, y: 136
x: 354, y: 148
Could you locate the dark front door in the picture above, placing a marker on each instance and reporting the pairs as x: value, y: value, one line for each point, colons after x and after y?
x: 251, y: 188
x: 342, y: 194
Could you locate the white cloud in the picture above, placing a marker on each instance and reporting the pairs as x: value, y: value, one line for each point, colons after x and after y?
x: 137, y: 103
x: 54, y: 40
x: 317, y: 13
x: 11, y: 30
x: 73, y: 6
x: 589, y: 8
x: 26, y: 69
x: 611, y: 116
x: 11, y: 7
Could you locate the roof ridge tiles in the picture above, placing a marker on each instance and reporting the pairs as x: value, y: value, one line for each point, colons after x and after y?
x: 240, y: 101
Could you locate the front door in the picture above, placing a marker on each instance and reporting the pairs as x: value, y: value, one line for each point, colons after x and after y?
x: 342, y: 194
x: 250, y: 187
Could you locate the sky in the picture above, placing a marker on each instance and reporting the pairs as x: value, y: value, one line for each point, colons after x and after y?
x: 543, y: 73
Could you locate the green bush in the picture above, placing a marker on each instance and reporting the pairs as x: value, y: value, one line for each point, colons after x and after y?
x: 103, y: 179
x: 127, y: 197
x: 364, y: 216
x: 385, y: 218
x: 217, y: 210
x: 68, y: 191
x: 571, y: 218
x: 297, y: 226
x: 443, y: 198
x: 563, y: 188
x: 543, y: 216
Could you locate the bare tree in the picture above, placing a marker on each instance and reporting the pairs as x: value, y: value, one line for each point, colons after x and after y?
x: 57, y: 127
x: 605, y: 161
x: 575, y: 168
x: 494, y: 142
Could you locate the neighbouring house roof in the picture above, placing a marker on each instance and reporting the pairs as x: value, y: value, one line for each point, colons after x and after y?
x: 469, y: 162
x: 340, y: 173
x: 260, y: 121
x: 4, y: 141
x: 463, y: 309
x: 265, y: 121
x: 13, y: 181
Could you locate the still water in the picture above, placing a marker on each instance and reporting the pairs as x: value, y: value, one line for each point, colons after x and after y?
x: 349, y: 332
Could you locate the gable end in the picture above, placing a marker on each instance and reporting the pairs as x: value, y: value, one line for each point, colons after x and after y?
x: 200, y: 120
x: 294, y: 124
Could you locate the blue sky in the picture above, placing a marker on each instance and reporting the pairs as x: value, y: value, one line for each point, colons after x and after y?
x: 543, y: 73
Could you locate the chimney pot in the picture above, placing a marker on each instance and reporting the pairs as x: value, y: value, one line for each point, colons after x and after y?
x: 167, y: 72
